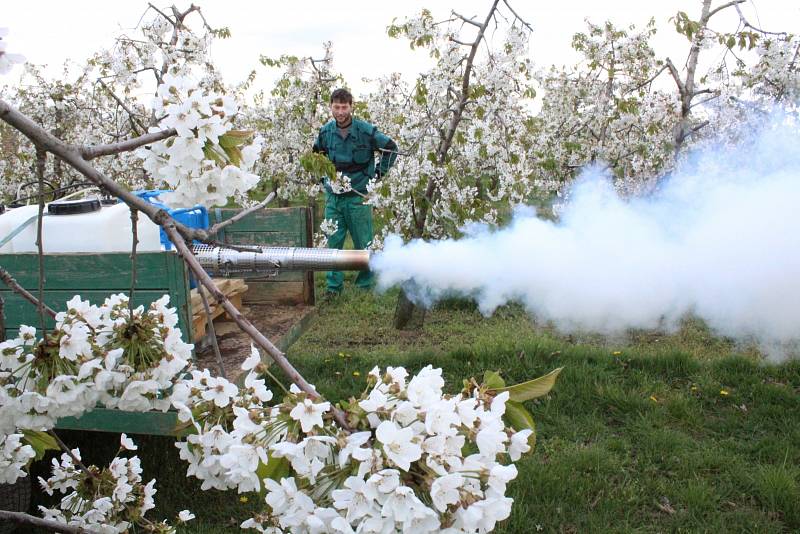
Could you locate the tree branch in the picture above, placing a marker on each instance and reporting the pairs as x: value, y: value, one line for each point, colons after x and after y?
x: 246, y: 326
x: 676, y: 76
x: 211, y: 331
x: 649, y: 80
x: 91, y: 152
x: 72, y: 156
x: 468, y: 21
x: 134, y: 121
x: 447, y: 140
x: 68, y: 451
x: 460, y: 42
x: 242, y: 214
x: 22, y: 518
x: 520, y: 19
x: 721, y: 7
x: 41, y: 160
x: 8, y: 280
x: 134, y: 242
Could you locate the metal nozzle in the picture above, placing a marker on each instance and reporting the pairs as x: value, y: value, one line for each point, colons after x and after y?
x: 225, y: 261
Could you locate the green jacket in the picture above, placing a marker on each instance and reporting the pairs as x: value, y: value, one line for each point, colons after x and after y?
x: 354, y: 156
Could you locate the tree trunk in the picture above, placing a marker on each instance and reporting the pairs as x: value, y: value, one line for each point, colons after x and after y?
x: 408, y: 315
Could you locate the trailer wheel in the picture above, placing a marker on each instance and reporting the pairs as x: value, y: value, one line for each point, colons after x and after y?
x: 14, y: 497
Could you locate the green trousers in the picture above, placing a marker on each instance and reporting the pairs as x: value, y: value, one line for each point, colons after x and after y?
x: 351, y: 215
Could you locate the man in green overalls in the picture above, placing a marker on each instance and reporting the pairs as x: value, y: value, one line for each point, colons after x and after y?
x: 350, y: 144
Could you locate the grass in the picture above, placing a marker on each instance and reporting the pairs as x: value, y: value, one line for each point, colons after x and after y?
x: 650, y: 432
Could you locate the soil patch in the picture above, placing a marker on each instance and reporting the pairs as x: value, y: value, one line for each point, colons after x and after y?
x: 273, y: 320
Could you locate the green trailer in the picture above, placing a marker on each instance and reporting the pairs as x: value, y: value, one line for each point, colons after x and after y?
x: 96, y: 276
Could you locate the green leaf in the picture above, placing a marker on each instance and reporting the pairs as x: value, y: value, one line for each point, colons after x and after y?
x: 232, y: 139
x: 40, y: 441
x: 275, y: 469
x: 213, y: 155
x: 234, y: 155
x: 518, y: 418
x: 493, y: 380
x: 538, y: 387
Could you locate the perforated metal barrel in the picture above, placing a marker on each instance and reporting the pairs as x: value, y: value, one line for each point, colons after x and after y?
x: 222, y: 260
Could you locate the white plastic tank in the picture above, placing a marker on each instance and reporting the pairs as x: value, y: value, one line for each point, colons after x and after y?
x: 77, y: 226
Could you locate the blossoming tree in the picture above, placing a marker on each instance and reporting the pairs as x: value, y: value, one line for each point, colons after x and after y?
x: 407, y: 455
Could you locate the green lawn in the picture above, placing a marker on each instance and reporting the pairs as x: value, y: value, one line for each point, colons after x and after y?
x: 647, y: 433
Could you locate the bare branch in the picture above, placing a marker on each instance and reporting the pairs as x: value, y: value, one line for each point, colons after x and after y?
x: 720, y: 8
x: 676, y: 76
x: 72, y: 156
x: 134, y: 242
x: 41, y: 160
x: 698, y: 127
x: 8, y: 280
x: 134, y: 121
x: 91, y: 152
x: 714, y: 96
x: 22, y: 518
x: 703, y: 91
x: 211, y: 331
x: 242, y: 214
x: 648, y: 81
x: 277, y: 356
x: 468, y: 21
x: 154, y: 8
x: 68, y: 451
x: 460, y: 42
x: 520, y: 19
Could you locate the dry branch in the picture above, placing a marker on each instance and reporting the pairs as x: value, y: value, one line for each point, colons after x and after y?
x: 22, y: 518
x: 8, y: 280
x: 246, y: 326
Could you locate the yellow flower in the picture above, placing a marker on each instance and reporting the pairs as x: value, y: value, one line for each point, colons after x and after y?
x: 694, y: 388
x: 243, y: 498
x: 723, y: 392
x: 653, y: 398
x: 616, y: 353
x: 356, y: 373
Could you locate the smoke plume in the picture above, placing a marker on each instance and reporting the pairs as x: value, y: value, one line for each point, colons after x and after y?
x: 720, y: 238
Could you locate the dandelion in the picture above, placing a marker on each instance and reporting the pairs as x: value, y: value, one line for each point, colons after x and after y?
x: 616, y: 353
x: 653, y: 398
x: 724, y: 392
x: 356, y: 374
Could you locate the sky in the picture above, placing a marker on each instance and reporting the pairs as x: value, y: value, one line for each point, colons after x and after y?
x: 50, y: 31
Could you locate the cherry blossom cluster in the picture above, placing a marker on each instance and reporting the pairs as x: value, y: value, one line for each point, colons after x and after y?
x: 109, y: 500
x: 14, y: 456
x: 327, y: 228
x: 95, y: 354
x: 228, y: 427
x: 207, y: 161
x: 415, y: 458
